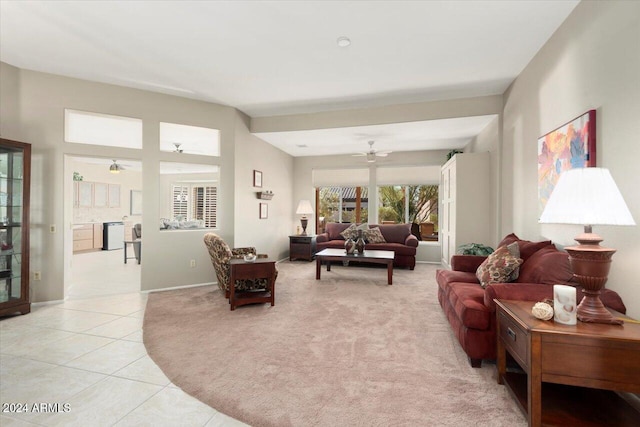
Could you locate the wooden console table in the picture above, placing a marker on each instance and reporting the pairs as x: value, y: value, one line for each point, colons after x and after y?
x: 261, y: 268
x: 586, y: 359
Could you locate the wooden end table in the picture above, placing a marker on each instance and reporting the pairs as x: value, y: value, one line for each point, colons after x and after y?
x: 302, y: 247
x: 377, y: 257
x: 261, y: 268
x: 592, y: 355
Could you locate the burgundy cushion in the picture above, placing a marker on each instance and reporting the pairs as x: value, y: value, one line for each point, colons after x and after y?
x: 397, y: 248
x: 333, y: 229
x: 548, y: 266
x: 527, y: 247
x: 467, y: 300
x: 444, y: 277
x: 395, y: 233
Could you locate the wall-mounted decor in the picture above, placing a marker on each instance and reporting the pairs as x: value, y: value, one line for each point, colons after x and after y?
x: 572, y: 145
x: 264, y: 211
x: 265, y: 195
x: 257, y: 178
x: 136, y: 202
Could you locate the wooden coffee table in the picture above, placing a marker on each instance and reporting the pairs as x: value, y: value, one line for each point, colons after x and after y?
x: 376, y: 257
x: 568, y: 368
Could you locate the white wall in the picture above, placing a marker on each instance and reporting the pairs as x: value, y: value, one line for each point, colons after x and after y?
x: 270, y: 235
x: 591, y: 62
x: 42, y: 99
x: 489, y: 140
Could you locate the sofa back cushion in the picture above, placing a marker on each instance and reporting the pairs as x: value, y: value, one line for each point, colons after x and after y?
x: 394, y: 233
x: 548, y: 266
x: 527, y: 247
x: 333, y: 229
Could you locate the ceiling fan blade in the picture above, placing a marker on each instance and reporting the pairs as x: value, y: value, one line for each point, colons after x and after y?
x: 360, y: 155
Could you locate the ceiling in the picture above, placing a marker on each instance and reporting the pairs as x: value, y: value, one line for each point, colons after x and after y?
x: 281, y: 57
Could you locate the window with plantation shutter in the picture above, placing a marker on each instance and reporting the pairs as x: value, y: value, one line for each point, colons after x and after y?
x: 204, y: 206
x: 180, y: 202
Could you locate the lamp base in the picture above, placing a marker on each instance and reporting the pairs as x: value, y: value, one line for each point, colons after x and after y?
x: 591, y: 310
x: 304, y: 221
x: 590, y: 263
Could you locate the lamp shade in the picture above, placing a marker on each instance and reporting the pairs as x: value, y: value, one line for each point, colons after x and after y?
x: 586, y: 196
x: 304, y: 208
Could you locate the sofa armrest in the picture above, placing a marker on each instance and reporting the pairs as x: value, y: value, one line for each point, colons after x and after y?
x: 468, y: 263
x: 516, y: 291
x: 324, y: 237
x: 411, y: 240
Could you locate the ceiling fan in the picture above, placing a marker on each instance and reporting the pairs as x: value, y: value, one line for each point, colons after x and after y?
x: 115, y: 167
x: 372, y: 153
x: 178, y: 149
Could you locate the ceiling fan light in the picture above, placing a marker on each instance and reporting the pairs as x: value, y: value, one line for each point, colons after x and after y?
x: 114, y: 168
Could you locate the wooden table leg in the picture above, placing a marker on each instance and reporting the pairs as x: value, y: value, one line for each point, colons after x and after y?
x: 534, y: 383
x: 232, y: 288
x: 390, y: 273
x: 273, y: 286
x: 318, y: 265
x: 501, y: 357
x: 125, y: 252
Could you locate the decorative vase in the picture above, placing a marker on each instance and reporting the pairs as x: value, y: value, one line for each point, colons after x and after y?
x: 360, y: 243
x: 350, y: 246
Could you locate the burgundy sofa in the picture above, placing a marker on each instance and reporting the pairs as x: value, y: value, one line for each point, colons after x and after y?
x: 398, y: 239
x: 470, y: 309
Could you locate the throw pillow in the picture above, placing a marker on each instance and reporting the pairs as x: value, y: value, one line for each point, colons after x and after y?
x: 350, y: 233
x: 549, y: 266
x: 497, y: 268
x: 527, y: 247
x: 514, y: 249
x: 373, y: 235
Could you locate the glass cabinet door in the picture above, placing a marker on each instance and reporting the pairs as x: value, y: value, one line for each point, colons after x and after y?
x: 14, y: 270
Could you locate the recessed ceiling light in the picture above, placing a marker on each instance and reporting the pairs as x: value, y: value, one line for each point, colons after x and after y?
x: 301, y: 145
x: 343, y: 41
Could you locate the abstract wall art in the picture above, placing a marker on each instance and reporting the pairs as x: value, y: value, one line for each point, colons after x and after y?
x: 572, y: 145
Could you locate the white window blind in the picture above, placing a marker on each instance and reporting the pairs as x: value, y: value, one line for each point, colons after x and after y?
x: 340, y: 177
x: 205, y: 204
x: 409, y: 175
x: 180, y: 201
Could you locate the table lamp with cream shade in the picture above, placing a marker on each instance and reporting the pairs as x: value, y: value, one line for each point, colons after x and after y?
x: 588, y: 196
x: 304, y: 209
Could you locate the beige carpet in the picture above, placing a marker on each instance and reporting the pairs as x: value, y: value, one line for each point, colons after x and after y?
x: 347, y: 350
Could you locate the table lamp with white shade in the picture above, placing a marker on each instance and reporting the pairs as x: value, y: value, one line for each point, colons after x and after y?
x: 588, y: 196
x: 304, y: 209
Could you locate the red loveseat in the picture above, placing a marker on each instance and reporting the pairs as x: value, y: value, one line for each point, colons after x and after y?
x: 398, y: 239
x: 470, y: 308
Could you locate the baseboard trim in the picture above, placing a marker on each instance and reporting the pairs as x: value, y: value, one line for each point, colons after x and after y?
x: 43, y: 303
x: 173, y: 288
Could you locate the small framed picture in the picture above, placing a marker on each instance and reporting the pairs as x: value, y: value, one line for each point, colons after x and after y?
x: 257, y: 178
x: 264, y: 211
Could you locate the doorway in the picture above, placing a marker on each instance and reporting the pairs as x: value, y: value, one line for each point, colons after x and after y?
x: 102, y: 208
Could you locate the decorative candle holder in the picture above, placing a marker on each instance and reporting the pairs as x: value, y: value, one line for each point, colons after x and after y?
x: 564, y: 304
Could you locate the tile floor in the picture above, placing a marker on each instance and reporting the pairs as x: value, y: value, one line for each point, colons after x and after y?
x: 88, y: 353
x: 92, y: 271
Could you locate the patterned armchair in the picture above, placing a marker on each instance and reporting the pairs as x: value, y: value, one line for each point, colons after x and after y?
x: 221, y: 254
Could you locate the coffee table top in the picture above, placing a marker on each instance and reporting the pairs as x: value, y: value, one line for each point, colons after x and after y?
x: 341, y: 253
